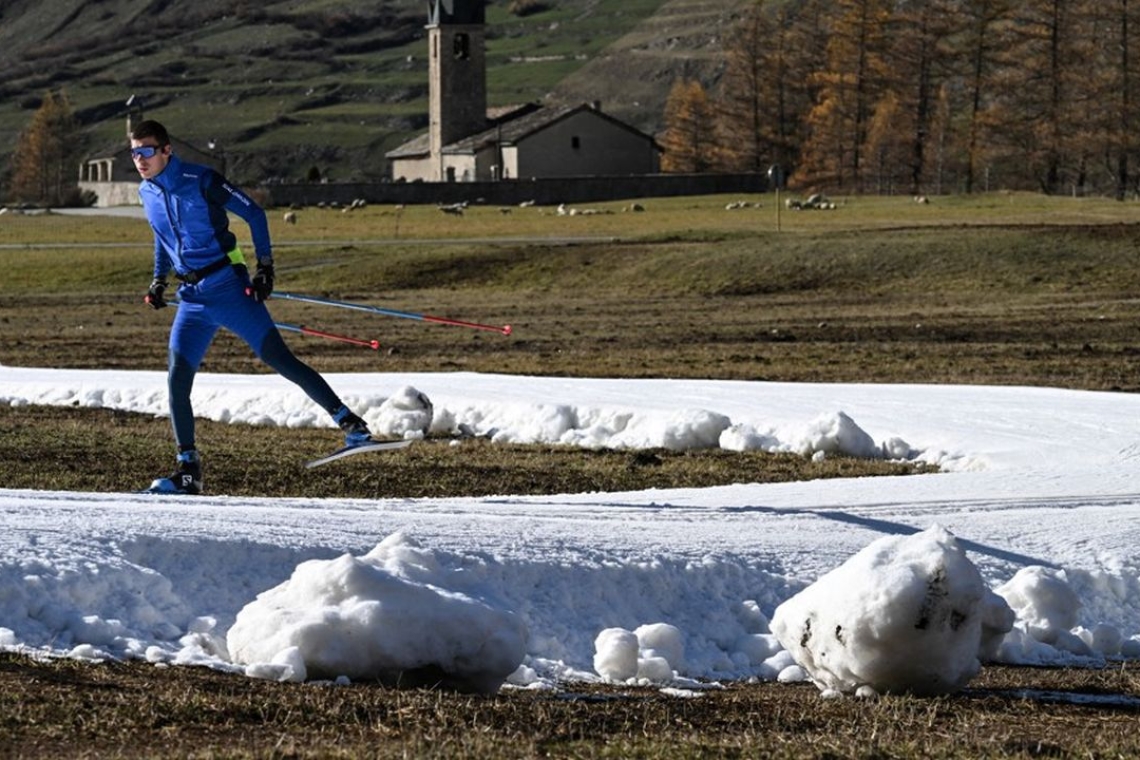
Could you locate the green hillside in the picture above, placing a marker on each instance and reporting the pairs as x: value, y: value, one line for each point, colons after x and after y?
x: 285, y: 85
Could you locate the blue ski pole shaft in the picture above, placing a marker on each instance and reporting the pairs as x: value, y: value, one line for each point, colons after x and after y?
x: 505, y: 329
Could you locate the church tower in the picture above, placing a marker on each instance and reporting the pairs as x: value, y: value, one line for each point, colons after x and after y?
x: 457, y: 74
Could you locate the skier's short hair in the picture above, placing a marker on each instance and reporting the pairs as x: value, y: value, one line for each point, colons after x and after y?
x: 151, y: 128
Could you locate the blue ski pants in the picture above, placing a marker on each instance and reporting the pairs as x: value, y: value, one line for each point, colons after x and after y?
x: 219, y: 300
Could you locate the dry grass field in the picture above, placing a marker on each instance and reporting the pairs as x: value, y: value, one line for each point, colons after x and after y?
x: 999, y: 289
x: 1002, y: 289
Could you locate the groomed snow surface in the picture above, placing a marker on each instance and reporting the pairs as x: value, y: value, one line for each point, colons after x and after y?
x: 1022, y: 549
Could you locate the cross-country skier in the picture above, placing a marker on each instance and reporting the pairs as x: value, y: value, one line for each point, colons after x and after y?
x: 186, y: 206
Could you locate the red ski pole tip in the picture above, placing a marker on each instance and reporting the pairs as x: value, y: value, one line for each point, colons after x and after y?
x: 506, y: 329
x: 375, y: 345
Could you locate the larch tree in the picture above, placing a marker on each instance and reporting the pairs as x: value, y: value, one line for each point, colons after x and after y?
x: 941, y: 134
x: 849, y: 85
x: 1113, y: 113
x: 979, y: 47
x: 916, y: 95
x: 1041, y: 91
x: 764, y: 93
x: 886, y: 148
x: 919, y: 62
x: 45, y: 162
x: 688, y: 138
x: 742, y: 111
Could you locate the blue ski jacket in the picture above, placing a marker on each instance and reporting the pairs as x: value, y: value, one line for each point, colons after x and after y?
x: 186, y: 206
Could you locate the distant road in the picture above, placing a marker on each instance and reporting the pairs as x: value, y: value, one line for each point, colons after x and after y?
x: 136, y: 212
x: 559, y: 240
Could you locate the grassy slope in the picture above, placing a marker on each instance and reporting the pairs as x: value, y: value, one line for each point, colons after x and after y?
x: 288, y: 85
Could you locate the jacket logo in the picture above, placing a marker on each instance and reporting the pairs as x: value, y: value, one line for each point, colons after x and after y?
x: 235, y: 194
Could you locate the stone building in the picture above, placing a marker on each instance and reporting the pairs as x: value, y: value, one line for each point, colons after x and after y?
x: 466, y: 143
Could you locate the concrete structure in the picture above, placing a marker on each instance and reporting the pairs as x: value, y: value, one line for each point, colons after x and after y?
x: 111, y: 176
x: 464, y: 143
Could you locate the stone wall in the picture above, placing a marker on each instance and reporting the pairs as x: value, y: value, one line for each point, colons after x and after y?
x: 113, y: 193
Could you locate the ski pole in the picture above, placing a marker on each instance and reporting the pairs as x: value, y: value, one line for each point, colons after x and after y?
x: 505, y: 329
x: 373, y: 344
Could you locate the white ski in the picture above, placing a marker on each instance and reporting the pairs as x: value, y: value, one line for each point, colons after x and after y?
x: 348, y: 451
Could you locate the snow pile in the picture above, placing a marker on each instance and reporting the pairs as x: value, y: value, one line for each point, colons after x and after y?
x: 384, y: 616
x: 905, y: 614
x: 653, y: 653
x: 109, y: 606
x: 1048, y: 630
x: 407, y: 413
x: 827, y: 434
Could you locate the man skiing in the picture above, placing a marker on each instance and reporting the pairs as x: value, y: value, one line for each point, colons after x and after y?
x: 186, y: 206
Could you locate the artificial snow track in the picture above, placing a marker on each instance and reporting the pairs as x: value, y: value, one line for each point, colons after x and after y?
x: 1032, y: 476
x: 572, y: 565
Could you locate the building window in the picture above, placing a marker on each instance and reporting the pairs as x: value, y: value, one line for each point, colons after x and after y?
x: 461, y: 47
x: 575, y: 142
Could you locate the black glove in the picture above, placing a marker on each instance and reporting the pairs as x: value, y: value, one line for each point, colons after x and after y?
x: 261, y: 286
x: 154, y: 294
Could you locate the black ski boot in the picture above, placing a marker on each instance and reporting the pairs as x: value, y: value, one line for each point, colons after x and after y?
x: 187, y: 479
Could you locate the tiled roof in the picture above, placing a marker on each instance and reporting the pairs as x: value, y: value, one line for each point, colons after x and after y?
x: 510, y: 129
x: 418, y: 146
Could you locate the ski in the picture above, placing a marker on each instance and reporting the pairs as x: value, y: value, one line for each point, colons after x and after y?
x: 348, y: 451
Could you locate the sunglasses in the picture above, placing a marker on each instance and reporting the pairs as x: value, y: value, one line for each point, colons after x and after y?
x: 145, y: 151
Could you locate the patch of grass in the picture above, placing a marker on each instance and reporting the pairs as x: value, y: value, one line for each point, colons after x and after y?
x: 106, y: 450
x: 1014, y: 304
x: 864, y: 293
x: 67, y: 708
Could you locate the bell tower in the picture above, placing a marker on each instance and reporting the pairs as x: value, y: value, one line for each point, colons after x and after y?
x: 457, y: 74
